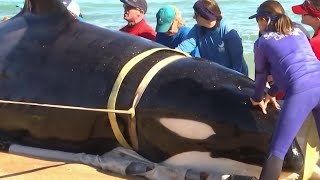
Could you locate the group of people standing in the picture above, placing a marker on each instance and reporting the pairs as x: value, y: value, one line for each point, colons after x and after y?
x: 210, y: 38
x: 283, y: 52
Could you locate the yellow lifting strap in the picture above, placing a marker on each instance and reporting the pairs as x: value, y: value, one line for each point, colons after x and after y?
x: 140, y: 90
x: 116, y: 87
x: 114, y: 93
x: 311, y: 154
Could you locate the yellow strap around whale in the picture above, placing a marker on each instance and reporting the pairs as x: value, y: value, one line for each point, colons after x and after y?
x: 139, y: 92
x: 311, y: 154
x: 113, y: 95
x: 116, y: 87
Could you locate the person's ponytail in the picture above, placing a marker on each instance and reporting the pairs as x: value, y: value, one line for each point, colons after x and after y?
x: 282, y: 24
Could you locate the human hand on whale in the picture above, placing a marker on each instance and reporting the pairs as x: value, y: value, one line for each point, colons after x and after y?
x: 273, y: 100
x: 264, y: 103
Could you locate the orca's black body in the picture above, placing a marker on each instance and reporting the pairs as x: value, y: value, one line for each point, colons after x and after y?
x: 48, y: 57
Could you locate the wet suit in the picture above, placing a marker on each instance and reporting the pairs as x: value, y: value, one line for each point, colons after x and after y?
x: 280, y: 94
x: 295, y: 71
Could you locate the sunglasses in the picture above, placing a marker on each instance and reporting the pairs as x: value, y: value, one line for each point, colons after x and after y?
x: 260, y: 18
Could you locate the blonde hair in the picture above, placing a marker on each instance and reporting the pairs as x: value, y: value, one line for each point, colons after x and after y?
x: 282, y: 23
x: 178, y: 16
x: 5, y: 18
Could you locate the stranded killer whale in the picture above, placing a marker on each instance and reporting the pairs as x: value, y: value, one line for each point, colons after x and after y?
x: 190, y: 105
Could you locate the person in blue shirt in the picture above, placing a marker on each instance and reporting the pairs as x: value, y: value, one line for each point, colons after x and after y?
x: 171, y: 30
x: 284, y: 52
x: 216, y: 41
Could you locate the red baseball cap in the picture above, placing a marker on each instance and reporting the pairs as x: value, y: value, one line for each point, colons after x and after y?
x: 306, y: 8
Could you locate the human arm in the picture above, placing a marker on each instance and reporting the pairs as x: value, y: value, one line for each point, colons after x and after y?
x: 268, y: 98
x: 260, y: 78
x: 261, y: 104
x: 272, y: 92
x: 261, y: 72
x: 189, y: 44
x: 234, y: 48
x: 273, y: 100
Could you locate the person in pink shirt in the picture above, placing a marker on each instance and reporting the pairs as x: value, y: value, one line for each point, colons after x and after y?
x: 310, y: 14
x: 134, y: 11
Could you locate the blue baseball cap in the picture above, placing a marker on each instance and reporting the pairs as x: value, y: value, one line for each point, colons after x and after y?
x: 165, y: 17
x: 261, y: 13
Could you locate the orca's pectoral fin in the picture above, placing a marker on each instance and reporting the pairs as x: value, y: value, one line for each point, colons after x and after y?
x: 237, y: 177
x: 294, y: 159
x: 5, y: 144
x: 136, y: 168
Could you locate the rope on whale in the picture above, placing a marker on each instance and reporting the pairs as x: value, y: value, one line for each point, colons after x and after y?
x: 142, y: 86
x: 311, y: 150
x: 111, y: 111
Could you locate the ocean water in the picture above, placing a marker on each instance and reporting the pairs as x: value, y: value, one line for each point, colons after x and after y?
x: 109, y: 14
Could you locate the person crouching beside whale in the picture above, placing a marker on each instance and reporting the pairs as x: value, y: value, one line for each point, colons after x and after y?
x: 216, y: 41
x: 285, y: 52
x: 171, y: 30
x: 134, y: 11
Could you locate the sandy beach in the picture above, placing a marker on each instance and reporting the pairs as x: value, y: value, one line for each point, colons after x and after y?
x: 14, y: 167
x: 20, y: 167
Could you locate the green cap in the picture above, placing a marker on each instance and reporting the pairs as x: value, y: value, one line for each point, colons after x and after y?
x: 165, y: 17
